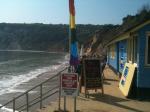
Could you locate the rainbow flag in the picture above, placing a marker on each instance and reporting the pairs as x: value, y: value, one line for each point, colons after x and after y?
x: 74, y: 59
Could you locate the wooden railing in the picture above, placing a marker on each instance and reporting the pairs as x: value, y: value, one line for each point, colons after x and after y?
x: 26, y: 100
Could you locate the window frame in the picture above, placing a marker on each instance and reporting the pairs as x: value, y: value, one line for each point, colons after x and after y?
x: 132, y: 44
x: 146, y: 49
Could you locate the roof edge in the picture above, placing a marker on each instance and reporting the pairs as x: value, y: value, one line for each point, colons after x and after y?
x: 126, y: 34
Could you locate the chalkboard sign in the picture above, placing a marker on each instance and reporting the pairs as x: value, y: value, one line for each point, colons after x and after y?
x: 92, y: 73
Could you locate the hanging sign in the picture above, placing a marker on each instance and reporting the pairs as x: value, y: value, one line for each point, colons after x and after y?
x: 69, y: 84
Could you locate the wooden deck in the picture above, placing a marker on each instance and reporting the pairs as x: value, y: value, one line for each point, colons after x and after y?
x: 112, y: 100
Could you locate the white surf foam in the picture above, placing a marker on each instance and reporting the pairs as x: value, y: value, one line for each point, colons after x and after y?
x: 10, y: 61
x: 9, y: 84
x: 4, y: 109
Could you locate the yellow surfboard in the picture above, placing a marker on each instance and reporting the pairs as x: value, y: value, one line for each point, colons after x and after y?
x: 127, y: 77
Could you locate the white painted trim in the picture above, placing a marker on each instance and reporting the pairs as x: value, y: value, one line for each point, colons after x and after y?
x: 127, y: 34
x: 146, y: 49
x: 130, y: 62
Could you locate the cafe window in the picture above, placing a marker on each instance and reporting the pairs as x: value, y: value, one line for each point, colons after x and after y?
x: 132, y: 49
x: 112, y: 51
x: 129, y: 49
x: 148, y: 50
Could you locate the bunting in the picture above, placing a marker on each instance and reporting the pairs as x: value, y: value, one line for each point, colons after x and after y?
x: 74, y: 60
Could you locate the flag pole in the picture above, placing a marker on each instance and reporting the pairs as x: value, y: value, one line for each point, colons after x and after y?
x: 74, y: 61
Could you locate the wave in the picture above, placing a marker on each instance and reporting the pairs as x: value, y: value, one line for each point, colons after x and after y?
x: 8, y: 84
x: 4, y: 109
x: 10, y: 61
x: 17, y: 80
x: 33, y: 51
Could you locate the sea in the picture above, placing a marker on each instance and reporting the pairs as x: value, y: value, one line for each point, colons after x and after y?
x: 19, y: 66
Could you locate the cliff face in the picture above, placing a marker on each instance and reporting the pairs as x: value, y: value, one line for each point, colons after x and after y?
x: 96, y: 44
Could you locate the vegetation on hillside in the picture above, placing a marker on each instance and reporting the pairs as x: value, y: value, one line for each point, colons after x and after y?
x: 132, y: 20
x: 45, y: 37
x: 50, y: 37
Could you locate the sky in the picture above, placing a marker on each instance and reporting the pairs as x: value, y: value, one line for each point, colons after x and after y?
x: 57, y: 11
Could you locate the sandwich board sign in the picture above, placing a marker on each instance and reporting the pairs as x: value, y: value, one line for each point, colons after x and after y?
x: 127, y: 77
x: 92, y: 74
x: 69, y: 84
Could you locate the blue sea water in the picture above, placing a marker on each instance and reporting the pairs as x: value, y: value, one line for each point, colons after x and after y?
x: 17, y: 67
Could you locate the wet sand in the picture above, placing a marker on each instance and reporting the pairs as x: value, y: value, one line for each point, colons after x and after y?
x: 36, y: 92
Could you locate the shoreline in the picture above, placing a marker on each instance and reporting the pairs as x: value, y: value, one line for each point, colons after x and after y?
x: 25, y: 78
x: 22, y: 70
x: 33, y: 51
x: 23, y: 87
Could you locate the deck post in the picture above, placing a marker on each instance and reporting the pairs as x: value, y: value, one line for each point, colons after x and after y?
x: 59, y: 103
x: 14, y: 105
x: 41, y: 95
x: 65, y: 103
x: 27, y: 99
x: 75, y: 104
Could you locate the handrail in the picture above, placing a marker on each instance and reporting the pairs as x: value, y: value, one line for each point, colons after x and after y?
x: 36, y: 100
